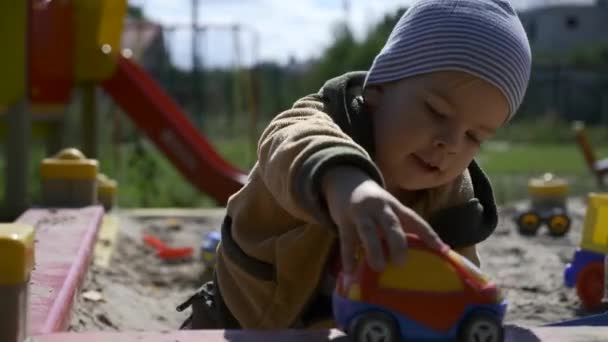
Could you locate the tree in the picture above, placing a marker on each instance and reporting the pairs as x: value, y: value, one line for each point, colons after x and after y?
x: 135, y: 12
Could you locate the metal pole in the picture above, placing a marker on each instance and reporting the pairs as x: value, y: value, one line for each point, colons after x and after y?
x: 346, y: 8
x: 196, y: 87
x: 89, y: 120
x: 236, y: 93
x: 18, y: 143
x: 254, y: 93
x: 17, y: 160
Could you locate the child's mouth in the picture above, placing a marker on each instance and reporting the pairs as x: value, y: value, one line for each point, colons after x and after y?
x: 424, y: 165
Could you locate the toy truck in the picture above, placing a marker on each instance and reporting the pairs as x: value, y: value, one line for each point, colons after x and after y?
x: 587, y: 270
x: 437, y: 295
x: 548, y: 196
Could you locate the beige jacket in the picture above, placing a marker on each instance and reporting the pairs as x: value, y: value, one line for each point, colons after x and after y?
x: 278, y: 236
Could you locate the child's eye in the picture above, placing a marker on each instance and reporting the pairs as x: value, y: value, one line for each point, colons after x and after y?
x: 434, y: 112
x: 474, y: 138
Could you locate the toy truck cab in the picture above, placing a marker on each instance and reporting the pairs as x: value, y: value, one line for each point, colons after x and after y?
x: 586, y: 271
x: 435, y: 295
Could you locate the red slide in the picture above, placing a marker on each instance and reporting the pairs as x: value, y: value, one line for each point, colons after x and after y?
x: 153, y: 111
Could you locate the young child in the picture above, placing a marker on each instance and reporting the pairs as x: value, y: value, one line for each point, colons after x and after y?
x: 372, y: 155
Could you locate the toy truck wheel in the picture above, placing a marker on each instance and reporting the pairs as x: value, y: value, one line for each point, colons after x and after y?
x: 590, y: 286
x: 559, y: 224
x: 481, y: 327
x: 528, y: 223
x: 375, y: 327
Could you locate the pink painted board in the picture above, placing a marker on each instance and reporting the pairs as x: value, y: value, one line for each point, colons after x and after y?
x: 65, y: 239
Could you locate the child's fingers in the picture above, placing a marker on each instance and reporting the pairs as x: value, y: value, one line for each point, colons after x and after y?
x: 371, y: 242
x: 394, y: 235
x: 412, y: 223
x: 348, y: 246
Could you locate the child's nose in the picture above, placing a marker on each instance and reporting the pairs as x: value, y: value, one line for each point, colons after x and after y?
x: 447, y: 142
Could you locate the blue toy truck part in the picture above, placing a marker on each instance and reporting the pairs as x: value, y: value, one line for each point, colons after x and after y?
x: 591, y: 320
x: 211, y: 240
x: 209, y: 246
x: 346, y: 311
x: 581, y: 258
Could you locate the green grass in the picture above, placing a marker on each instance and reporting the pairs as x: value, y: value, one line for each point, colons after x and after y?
x: 147, y: 179
x: 510, y: 166
x: 499, y: 158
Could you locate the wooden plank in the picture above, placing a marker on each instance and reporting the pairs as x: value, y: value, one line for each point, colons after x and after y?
x: 514, y: 334
x: 106, y: 240
x: 194, y: 336
x: 64, y: 247
x: 174, y: 212
x: 573, y: 334
x: 569, y: 334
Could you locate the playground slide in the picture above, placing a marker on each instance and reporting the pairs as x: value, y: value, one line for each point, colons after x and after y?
x: 153, y: 111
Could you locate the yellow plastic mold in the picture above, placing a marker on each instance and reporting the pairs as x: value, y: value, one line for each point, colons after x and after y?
x: 99, y: 25
x: 12, y: 58
x: 69, y: 164
x: 16, y: 253
x: 548, y: 186
x: 595, y: 229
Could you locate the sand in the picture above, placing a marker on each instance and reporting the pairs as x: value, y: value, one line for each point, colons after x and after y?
x: 139, y: 292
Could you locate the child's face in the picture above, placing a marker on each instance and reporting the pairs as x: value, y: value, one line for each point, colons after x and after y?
x: 428, y: 128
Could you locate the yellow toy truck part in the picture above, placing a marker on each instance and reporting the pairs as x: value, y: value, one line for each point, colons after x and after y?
x: 595, y: 228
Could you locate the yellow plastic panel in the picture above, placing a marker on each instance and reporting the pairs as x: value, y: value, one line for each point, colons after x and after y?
x: 600, y: 236
x: 98, y: 27
x: 16, y: 253
x: 595, y: 231
x: 422, y: 271
x: 111, y: 25
x: 12, y: 57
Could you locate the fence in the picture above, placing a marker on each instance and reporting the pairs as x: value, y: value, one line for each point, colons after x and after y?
x: 570, y: 93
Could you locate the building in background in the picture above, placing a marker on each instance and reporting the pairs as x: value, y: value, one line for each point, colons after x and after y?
x: 563, y: 84
x: 146, y: 42
x: 558, y: 31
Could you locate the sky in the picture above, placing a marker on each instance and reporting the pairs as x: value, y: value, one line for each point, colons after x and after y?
x: 285, y: 29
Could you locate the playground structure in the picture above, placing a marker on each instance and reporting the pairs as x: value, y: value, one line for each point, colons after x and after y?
x: 52, y: 48
x: 598, y: 167
x: 80, y: 42
x: 35, y: 91
x: 549, y: 195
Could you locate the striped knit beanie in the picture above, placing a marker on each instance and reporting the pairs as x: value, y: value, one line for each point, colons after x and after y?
x: 484, y: 38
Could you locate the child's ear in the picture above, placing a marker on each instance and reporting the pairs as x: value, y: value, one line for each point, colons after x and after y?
x: 372, y: 96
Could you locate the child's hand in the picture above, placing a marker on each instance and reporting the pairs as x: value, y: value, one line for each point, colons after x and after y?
x: 366, y: 213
